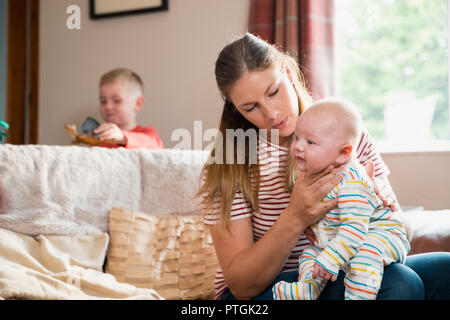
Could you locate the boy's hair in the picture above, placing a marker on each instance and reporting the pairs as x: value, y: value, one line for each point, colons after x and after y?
x: 345, y: 112
x: 125, y: 75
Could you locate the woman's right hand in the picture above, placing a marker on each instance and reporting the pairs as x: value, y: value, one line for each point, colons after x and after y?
x: 309, y: 190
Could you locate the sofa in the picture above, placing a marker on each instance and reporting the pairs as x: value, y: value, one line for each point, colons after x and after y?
x: 98, y: 223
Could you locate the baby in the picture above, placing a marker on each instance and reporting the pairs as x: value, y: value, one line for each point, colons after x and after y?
x: 121, y: 97
x: 361, y: 236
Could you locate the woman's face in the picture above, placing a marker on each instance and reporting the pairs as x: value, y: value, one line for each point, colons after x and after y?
x: 268, y: 100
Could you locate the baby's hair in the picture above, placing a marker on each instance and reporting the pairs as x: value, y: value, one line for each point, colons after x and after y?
x: 345, y: 112
x: 125, y: 75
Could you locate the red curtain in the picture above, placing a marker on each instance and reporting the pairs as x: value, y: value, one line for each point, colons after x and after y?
x: 304, y: 29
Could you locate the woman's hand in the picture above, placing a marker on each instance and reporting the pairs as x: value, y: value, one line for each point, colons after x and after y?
x: 310, y: 235
x: 388, y: 197
x: 309, y: 190
x: 384, y: 192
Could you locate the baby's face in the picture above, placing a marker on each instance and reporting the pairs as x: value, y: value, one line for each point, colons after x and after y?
x: 117, y: 103
x: 314, y: 147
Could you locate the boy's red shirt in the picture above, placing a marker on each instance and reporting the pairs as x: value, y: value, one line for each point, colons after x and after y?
x: 139, y: 137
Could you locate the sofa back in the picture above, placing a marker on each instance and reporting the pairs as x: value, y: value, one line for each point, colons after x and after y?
x: 70, y: 189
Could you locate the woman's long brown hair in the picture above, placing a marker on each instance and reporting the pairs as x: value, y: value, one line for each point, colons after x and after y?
x: 220, y: 180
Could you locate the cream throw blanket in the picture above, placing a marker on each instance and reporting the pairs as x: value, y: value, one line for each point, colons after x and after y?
x: 59, y: 267
x: 69, y: 190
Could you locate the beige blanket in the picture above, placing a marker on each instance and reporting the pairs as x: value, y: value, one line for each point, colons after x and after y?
x: 69, y: 190
x: 59, y: 267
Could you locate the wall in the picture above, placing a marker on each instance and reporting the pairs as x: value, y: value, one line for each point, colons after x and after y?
x: 420, y: 178
x: 174, y: 52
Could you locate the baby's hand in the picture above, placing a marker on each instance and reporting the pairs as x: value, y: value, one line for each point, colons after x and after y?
x: 318, y: 270
x: 110, y: 131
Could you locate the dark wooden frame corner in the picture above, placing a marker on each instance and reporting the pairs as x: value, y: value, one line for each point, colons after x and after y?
x: 22, y: 85
x: 94, y: 15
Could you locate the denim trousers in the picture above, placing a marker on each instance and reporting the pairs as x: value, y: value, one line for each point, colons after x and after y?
x: 424, y: 276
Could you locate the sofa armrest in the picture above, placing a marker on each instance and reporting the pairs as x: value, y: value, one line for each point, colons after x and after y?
x: 431, y: 230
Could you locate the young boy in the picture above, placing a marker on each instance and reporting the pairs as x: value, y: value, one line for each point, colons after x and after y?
x: 121, y: 97
x: 361, y: 236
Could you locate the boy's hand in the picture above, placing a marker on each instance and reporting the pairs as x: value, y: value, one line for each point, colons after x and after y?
x: 318, y: 270
x: 110, y: 131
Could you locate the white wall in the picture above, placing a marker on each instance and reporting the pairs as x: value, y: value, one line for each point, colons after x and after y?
x: 174, y: 52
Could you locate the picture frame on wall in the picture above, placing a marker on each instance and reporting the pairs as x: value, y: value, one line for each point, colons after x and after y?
x: 113, y: 8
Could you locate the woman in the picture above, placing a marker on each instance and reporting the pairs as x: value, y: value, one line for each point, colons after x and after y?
x: 257, y: 213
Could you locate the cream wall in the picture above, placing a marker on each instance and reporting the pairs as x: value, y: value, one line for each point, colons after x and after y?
x: 174, y: 52
x: 420, y: 178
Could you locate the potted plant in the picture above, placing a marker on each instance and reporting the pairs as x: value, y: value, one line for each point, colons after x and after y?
x: 3, y: 127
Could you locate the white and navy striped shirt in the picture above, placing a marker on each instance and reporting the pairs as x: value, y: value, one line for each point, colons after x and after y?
x: 273, y: 197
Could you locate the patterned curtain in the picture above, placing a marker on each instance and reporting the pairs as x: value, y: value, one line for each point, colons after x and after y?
x: 304, y: 29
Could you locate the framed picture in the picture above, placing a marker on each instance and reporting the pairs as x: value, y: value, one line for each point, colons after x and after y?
x: 113, y: 8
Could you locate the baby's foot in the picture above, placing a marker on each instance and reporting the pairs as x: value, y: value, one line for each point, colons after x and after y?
x: 283, y: 290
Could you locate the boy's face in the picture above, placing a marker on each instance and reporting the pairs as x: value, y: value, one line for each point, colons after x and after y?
x: 315, y: 146
x: 119, y: 104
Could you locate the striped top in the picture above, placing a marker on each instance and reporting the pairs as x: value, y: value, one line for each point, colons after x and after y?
x: 342, y: 231
x: 274, y: 196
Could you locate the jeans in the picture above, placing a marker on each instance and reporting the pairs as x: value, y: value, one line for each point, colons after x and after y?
x: 424, y: 276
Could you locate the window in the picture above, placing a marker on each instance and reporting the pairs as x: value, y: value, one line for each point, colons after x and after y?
x: 392, y: 57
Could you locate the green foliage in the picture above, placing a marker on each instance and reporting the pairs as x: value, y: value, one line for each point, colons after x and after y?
x: 394, y: 45
x: 3, y: 126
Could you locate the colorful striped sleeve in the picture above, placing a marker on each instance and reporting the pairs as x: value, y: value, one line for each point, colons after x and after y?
x: 355, y: 207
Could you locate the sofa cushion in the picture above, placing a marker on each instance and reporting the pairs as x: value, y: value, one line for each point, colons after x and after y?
x: 431, y: 230
x: 172, y: 254
x: 60, y: 267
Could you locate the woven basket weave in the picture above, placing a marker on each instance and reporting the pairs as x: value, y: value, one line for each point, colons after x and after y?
x: 173, y: 255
